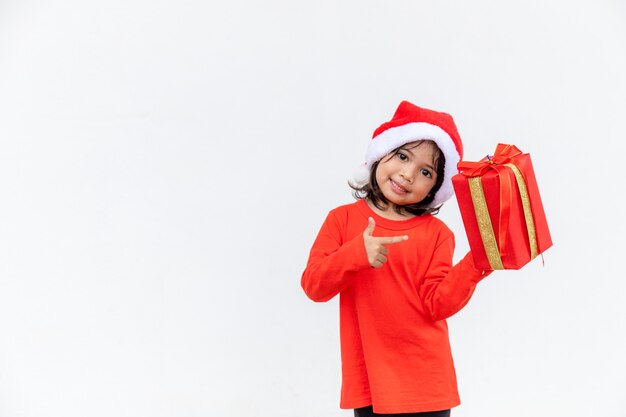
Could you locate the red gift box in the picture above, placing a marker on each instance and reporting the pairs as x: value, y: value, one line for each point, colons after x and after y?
x: 501, y: 209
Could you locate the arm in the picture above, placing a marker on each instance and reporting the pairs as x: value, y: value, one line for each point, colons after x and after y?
x: 446, y: 290
x: 332, y: 264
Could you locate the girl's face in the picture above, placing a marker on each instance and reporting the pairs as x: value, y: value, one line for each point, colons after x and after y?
x: 406, y: 175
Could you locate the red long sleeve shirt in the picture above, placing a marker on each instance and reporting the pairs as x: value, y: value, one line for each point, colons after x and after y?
x: 395, y: 349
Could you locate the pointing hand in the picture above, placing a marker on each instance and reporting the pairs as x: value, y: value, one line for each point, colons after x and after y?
x: 375, y: 246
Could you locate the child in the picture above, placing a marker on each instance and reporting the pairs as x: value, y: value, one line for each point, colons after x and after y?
x: 391, y: 262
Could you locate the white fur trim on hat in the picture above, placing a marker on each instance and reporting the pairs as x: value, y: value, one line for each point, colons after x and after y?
x: 361, y: 175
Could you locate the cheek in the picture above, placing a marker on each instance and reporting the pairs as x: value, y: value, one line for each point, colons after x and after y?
x: 380, y: 174
x: 430, y: 188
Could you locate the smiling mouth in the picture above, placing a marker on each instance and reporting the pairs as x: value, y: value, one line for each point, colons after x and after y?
x: 397, y: 187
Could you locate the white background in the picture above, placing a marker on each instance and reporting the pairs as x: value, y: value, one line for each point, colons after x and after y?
x: 165, y: 167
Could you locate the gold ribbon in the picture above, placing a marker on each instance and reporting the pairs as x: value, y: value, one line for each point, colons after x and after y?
x: 484, y: 223
x: 484, y: 220
x: 528, y: 214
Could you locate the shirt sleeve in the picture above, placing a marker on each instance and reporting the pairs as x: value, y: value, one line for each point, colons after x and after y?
x: 445, y: 290
x: 333, y: 263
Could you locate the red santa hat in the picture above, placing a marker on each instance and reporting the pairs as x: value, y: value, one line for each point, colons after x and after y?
x: 411, y: 123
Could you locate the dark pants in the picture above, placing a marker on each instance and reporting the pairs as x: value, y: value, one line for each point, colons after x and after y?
x: 369, y: 412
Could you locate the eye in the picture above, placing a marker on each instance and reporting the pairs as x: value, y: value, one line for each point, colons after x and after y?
x: 427, y: 173
x: 402, y: 156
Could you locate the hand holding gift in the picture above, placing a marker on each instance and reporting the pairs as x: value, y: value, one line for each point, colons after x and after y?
x: 501, y: 208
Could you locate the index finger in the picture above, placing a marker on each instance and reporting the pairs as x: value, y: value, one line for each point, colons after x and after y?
x: 389, y: 240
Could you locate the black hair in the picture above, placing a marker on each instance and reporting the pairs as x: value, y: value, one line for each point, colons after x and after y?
x: 372, y: 192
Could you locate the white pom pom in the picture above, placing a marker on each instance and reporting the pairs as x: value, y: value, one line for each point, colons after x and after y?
x: 361, y: 175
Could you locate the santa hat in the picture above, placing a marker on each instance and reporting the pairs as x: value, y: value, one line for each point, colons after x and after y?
x: 409, y: 124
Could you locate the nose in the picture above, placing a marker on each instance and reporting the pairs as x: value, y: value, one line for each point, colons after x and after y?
x: 408, y: 175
